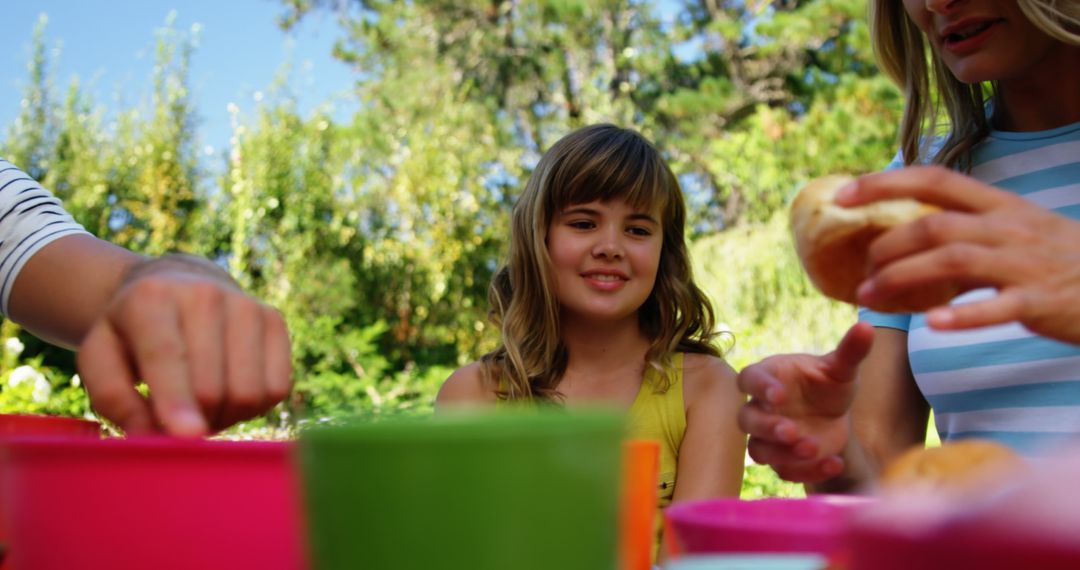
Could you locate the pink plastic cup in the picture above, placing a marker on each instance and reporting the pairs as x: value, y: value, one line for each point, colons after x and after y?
x: 151, y: 503
x: 19, y: 425
x: 12, y: 425
x: 814, y: 525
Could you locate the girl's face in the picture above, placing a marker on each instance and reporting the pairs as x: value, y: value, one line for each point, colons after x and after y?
x: 982, y: 40
x: 604, y: 258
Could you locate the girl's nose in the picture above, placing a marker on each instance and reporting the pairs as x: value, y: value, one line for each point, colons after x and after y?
x: 608, y: 247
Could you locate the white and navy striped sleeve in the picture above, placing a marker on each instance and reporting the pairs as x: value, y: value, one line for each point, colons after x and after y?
x: 30, y: 218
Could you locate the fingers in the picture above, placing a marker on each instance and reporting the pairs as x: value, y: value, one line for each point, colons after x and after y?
x: 842, y: 363
x: 148, y: 321
x: 799, y: 467
x: 759, y: 382
x: 933, y: 231
x: 757, y: 421
x: 1007, y: 306
x: 211, y: 356
x: 110, y: 382
x: 278, y: 355
x: 205, y: 341
x: 930, y: 184
x: 246, y: 392
x: 966, y: 264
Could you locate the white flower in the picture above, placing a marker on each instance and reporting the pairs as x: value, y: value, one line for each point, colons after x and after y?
x: 42, y: 389
x: 76, y: 381
x: 22, y: 374
x: 14, y: 346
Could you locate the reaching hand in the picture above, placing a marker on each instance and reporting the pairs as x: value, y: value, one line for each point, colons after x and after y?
x: 797, y: 416
x: 210, y: 355
x: 987, y: 238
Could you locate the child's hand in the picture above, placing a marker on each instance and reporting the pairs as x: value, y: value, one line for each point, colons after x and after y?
x: 797, y: 416
x: 988, y: 238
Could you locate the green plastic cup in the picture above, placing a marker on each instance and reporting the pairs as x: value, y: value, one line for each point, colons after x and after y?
x: 497, y: 491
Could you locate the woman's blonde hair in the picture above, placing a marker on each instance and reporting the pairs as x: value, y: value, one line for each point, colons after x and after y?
x: 598, y: 162
x: 901, y: 50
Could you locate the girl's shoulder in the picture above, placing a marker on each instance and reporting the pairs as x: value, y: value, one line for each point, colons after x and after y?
x: 465, y: 386
x: 699, y: 367
x: 708, y: 377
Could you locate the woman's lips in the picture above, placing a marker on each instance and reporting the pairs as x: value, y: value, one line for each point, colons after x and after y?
x: 965, y: 38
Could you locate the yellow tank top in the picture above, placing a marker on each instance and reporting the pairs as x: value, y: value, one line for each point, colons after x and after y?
x: 661, y: 417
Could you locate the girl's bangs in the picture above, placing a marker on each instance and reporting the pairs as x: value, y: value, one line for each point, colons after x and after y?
x: 624, y: 167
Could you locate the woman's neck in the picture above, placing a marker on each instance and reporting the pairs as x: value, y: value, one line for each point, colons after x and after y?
x: 1046, y: 98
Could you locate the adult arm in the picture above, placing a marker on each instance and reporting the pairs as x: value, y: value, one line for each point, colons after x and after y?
x: 713, y: 449
x: 210, y: 354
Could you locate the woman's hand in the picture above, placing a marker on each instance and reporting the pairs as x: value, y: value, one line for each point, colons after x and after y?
x: 797, y: 416
x: 987, y: 237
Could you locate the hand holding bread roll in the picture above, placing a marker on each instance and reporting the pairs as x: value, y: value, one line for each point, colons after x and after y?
x: 833, y: 242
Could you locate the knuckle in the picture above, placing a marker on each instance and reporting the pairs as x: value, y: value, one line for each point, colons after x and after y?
x: 936, y: 174
x: 247, y: 400
x: 207, y: 296
x: 278, y: 391
x: 787, y: 473
x: 114, y: 404
x: 957, y: 258
x: 274, y: 323
x: 245, y: 310
x: 755, y: 453
x: 744, y: 419
x: 207, y: 395
x: 160, y: 348
x: 934, y: 229
x: 149, y: 289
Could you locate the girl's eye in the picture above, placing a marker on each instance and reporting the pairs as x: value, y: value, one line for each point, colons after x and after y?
x: 640, y: 231
x: 581, y: 224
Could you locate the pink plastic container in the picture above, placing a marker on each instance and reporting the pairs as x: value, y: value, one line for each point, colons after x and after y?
x: 151, y: 503
x: 950, y: 548
x: 814, y: 525
x: 20, y: 425
x: 1032, y: 523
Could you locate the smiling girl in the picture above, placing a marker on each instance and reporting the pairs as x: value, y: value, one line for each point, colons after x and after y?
x: 597, y: 306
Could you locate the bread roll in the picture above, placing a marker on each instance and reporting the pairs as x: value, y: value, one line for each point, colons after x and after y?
x: 833, y: 243
x: 966, y: 466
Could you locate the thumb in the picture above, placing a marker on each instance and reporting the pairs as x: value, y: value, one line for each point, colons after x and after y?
x: 842, y: 363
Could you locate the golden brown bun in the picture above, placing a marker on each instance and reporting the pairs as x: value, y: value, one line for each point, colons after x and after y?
x: 962, y: 466
x: 833, y: 242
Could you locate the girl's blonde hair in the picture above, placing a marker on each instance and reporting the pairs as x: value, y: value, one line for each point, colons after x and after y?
x: 901, y: 50
x: 598, y: 162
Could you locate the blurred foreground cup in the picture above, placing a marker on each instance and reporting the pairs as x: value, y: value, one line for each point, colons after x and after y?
x: 21, y: 425
x: 637, y: 522
x: 522, y: 490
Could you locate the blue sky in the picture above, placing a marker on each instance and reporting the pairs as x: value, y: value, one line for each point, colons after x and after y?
x: 109, y: 45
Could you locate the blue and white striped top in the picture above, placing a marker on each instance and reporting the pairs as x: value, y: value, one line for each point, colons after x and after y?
x: 30, y: 218
x: 1004, y: 382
